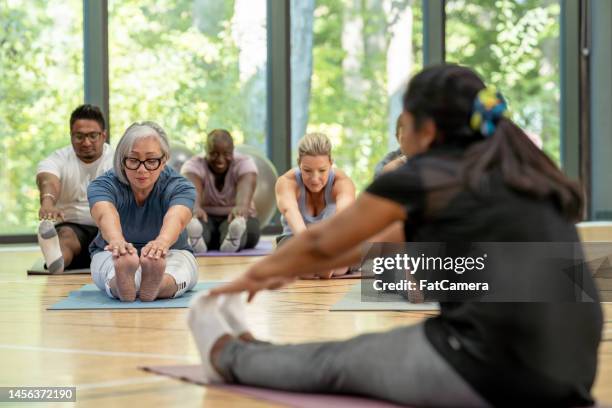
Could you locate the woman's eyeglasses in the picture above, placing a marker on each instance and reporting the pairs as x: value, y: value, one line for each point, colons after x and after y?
x: 132, y: 163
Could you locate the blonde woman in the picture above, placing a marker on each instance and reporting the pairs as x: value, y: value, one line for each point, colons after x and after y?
x: 313, y: 191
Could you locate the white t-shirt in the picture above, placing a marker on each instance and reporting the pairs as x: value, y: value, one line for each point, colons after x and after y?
x: 75, y: 177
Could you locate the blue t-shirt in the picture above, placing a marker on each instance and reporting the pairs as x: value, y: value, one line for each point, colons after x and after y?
x: 141, y: 225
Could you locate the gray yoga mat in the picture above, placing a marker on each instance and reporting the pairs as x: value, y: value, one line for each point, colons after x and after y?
x: 352, y: 301
x: 90, y: 297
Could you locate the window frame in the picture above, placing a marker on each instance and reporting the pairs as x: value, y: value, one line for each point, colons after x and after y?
x: 575, y: 72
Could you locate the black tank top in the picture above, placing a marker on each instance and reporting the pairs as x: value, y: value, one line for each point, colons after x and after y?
x: 511, y: 353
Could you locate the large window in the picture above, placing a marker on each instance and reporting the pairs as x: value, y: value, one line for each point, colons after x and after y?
x: 196, y: 65
x: 191, y: 66
x: 41, y: 82
x: 350, y: 63
x: 514, y: 44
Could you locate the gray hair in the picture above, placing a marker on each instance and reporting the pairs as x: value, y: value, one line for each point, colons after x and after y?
x: 314, y: 144
x: 137, y: 131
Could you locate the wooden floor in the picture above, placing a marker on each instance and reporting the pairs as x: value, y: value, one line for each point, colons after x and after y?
x: 99, y: 352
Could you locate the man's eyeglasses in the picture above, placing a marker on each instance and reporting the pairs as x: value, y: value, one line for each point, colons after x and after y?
x: 92, y: 136
x: 132, y: 163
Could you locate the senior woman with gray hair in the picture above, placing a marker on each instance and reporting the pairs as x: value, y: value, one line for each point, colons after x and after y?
x: 141, y: 208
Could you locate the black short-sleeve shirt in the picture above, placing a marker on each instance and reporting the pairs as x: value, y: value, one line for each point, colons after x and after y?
x: 511, y: 353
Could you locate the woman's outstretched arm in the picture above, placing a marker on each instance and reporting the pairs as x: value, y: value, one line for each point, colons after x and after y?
x: 106, y: 217
x: 324, y: 246
x: 176, y: 219
x: 287, y: 201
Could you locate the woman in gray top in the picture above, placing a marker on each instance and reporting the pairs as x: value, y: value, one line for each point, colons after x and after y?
x: 313, y: 191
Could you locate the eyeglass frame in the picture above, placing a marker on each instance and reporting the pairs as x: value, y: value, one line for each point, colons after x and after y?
x: 144, y: 163
x: 92, y: 136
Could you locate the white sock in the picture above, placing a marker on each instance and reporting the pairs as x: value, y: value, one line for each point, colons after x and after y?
x: 236, y: 229
x: 207, y: 327
x: 198, y: 245
x: 194, y: 232
x: 50, y: 246
x: 233, y: 310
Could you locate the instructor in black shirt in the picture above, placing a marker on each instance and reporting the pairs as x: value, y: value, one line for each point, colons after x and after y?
x: 473, y: 176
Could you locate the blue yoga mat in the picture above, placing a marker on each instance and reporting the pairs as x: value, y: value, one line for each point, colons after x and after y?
x: 90, y: 297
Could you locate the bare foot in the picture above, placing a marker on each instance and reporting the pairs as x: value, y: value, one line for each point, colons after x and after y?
x: 168, y: 287
x: 122, y: 285
x: 152, y: 275
x: 326, y: 274
x: 340, y: 271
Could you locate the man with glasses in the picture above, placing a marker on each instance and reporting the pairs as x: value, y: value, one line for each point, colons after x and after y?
x: 66, y: 228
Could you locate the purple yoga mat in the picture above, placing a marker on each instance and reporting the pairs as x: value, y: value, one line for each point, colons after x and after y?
x: 193, y: 374
x: 263, y: 248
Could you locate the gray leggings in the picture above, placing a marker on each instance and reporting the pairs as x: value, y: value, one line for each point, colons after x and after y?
x: 399, y: 365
